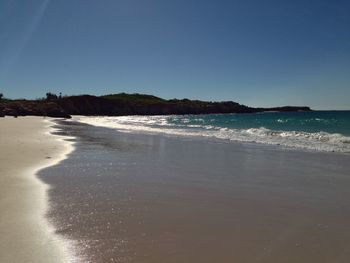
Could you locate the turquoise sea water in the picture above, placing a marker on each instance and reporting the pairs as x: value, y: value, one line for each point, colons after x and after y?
x: 317, y: 130
x: 317, y: 121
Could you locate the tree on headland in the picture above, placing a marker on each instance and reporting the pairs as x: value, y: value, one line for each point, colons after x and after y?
x: 1, y: 96
x: 51, y: 96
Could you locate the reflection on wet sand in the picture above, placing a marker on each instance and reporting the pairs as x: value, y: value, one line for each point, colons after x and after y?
x: 143, y: 198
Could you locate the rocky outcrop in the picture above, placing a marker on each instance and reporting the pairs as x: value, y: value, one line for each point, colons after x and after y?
x: 126, y: 104
x: 33, y: 108
x: 2, y: 114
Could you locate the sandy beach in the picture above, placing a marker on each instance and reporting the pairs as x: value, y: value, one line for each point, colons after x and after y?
x: 123, y: 197
x: 26, y: 147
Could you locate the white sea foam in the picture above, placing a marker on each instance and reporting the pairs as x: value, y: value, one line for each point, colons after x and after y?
x: 319, y: 141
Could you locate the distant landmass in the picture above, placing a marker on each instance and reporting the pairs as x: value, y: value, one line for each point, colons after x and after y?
x: 124, y: 104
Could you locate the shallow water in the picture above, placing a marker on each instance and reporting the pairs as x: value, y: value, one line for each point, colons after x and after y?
x: 318, y: 130
x: 152, y: 198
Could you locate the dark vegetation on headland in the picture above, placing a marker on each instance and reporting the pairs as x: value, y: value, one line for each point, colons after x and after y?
x: 123, y: 104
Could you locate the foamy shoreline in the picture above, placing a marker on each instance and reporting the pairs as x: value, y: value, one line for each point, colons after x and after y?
x: 28, y: 146
x: 184, y: 126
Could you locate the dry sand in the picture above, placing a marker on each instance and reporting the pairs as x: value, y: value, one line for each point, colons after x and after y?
x: 26, y: 146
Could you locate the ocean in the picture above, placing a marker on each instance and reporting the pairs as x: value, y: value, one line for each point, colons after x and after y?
x: 316, y: 131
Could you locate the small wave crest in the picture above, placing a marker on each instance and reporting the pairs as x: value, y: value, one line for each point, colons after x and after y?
x: 319, y: 141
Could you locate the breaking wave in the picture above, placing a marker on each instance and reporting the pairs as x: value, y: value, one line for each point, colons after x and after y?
x: 206, y: 127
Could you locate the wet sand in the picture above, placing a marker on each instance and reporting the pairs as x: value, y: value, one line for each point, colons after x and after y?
x: 151, y: 198
x: 26, y: 146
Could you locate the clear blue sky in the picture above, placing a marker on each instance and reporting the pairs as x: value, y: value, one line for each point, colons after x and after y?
x: 259, y: 53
